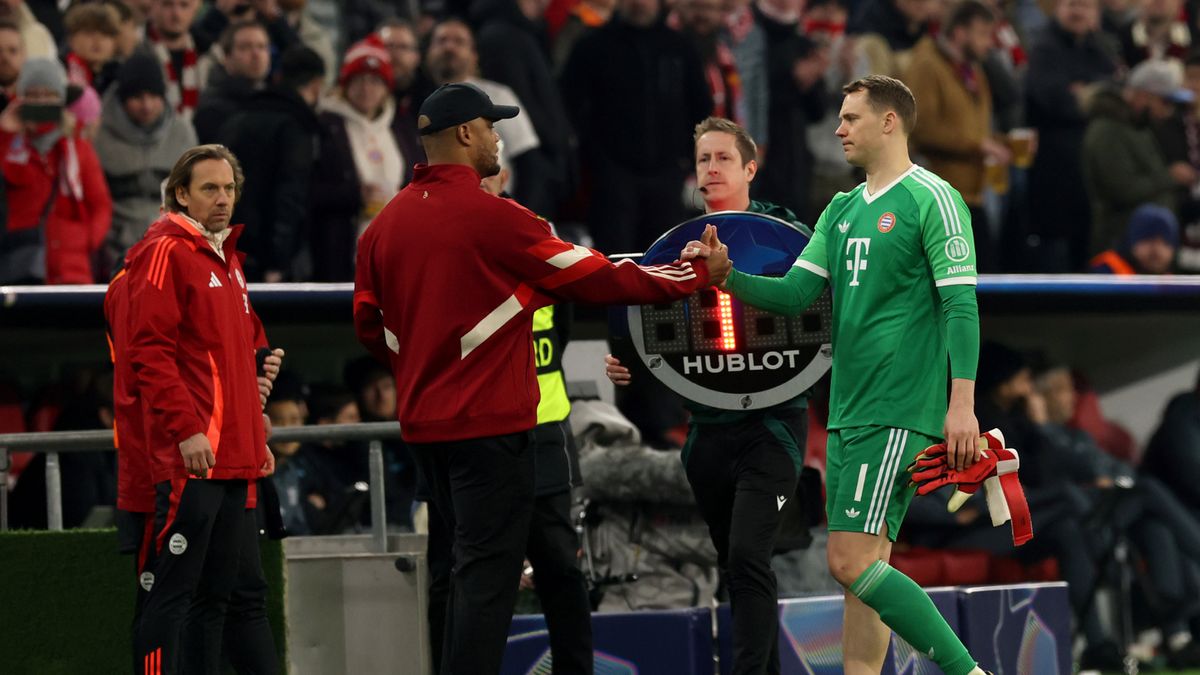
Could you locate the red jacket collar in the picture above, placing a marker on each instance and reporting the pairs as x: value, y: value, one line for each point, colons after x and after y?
x: 445, y: 173
x: 173, y: 225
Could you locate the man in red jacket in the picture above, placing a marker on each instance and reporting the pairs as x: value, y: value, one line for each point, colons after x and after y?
x: 192, y: 341
x: 448, y: 280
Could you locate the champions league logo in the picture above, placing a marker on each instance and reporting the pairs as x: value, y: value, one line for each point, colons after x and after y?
x: 717, y: 351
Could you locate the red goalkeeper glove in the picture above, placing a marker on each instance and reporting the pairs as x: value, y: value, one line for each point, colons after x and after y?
x: 996, y: 472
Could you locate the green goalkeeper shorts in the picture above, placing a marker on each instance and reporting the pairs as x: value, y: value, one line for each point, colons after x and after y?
x: 866, y: 484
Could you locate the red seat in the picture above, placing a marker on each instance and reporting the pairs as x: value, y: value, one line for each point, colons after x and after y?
x: 1110, y: 436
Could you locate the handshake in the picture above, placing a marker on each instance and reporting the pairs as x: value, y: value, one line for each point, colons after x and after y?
x: 715, y: 254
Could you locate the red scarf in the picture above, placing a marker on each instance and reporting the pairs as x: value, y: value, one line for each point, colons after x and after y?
x: 78, y: 71
x: 183, y: 89
x: 724, y: 82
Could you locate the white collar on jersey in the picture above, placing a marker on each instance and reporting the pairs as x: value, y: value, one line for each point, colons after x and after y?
x: 882, y: 191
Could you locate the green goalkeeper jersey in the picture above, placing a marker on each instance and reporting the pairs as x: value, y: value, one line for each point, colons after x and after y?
x: 901, y: 267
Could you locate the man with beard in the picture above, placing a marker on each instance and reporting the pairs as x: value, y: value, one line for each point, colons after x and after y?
x: 410, y: 86
x: 1123, y: 166
x: 954, y: 131
x: 452, y: 58
x: 12, y: 57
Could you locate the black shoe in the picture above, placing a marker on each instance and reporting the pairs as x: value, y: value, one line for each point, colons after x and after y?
x: 1102, y: 656
x: 1185, y: 657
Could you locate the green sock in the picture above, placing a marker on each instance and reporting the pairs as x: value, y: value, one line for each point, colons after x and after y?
x: 909, y: 612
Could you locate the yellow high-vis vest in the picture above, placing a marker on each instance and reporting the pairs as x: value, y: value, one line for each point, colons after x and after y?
x: 547, y: 355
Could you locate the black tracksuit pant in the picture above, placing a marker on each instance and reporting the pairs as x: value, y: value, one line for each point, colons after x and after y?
x: 742, y: 473
x: 201, y: 530
x: 483, y: 490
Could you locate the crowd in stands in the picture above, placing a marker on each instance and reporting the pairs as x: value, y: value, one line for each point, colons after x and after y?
x: 1059, y: 121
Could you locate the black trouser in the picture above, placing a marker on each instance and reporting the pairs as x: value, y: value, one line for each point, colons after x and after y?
x: 199, y: 530
x: 248, y: 643
x: 483, y: 489
x: 558, y: 582
x: 135, y: 536
x: 742, y: 474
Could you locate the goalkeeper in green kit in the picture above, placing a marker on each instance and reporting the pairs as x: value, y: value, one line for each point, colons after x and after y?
x: 898, y: 255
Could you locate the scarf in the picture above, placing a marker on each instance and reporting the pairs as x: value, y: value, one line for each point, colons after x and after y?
x: 78, y: 71
x: 183, y: 88
x: 377, y: 157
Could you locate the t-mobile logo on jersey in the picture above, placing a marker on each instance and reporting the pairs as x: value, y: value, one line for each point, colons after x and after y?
x: 861, y: 248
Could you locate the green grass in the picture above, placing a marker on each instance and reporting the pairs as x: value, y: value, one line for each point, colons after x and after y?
x: 66, y: 602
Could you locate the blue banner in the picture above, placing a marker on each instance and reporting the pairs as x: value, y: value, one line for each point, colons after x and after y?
x: 1018, y: 630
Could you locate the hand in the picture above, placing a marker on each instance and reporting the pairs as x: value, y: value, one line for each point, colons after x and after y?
x: 962, y: 437
x: 273, y: 276
x: 616, y: 372
x: 264, y: 390
x: 996, y: 151
x: 272, y: 363
x: 267, y: 426
x: 1182, y: 173
x: 694, y: 249
x: 719, y: 264
x: 1105, y: 482
x: 268, y: 466
x: 198, y: 455
x: 527, y: 577
x: 10, y: 119
x: 1035, y: 407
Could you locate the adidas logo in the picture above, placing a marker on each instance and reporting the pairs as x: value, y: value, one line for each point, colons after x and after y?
x: 781, y: 500
x: 843, y: 226
x: 853, y: 513
x: 213, y: 281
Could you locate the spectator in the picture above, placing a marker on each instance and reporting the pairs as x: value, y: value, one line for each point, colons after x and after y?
x: 410, y: 88
x: 182, y: 49
x: 310, y: 33
x: 1149, y: 245
x: 57, y: 202
x: 799, y: 98
x: 1005, y: 385
x: 512, y: 46
x: 92, y: 31
x: 139, y: 140
x: 294, y: 473
x: 130, y: 21
x: 12, y: 57
x: 282, y: 118
x: 247, y: 48
x: 361, y: 167
x: 1004, y: 66
x: 1122, y: 164
x: 1179, y: 139
x: 748, y: 42
x: 334, y: 495
x: 585, y: 16
x: 824, y: 21
x: 452, y: 57
x: 701, y: 22
x: 647, y: 76
x: 1173, y: 455
x: 374, y: 391
x: 888, y: 30
x: 1165, y: 535
x: 39, y: 43
x: 1065, y: 60
x: 1156, y: 33
x: 954, y: 127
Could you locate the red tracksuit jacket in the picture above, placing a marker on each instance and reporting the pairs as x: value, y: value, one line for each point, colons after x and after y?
x: 192, y: 338
x: 447, y: 282
x: 135, y: 485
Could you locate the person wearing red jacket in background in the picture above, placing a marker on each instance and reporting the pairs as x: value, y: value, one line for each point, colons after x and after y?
x: 248, y: 648
x: 192, y: 342
x: 57, y: 202
x: 448, y: 280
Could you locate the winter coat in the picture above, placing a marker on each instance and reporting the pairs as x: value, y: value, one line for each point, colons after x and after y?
x: 74, y: 226
x: 225, y: 96
x: 1123, y: 168
x: 136, y: 161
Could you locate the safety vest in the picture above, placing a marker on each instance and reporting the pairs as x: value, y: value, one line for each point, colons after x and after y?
x: 547, y: 356
x: 1113, y: 261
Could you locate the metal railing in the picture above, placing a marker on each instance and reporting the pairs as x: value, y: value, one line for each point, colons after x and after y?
x: 56, y: 442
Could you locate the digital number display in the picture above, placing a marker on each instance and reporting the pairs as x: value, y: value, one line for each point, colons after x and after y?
x: 711, y: 322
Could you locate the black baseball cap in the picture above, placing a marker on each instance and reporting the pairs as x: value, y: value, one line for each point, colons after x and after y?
x: 454, y: 104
